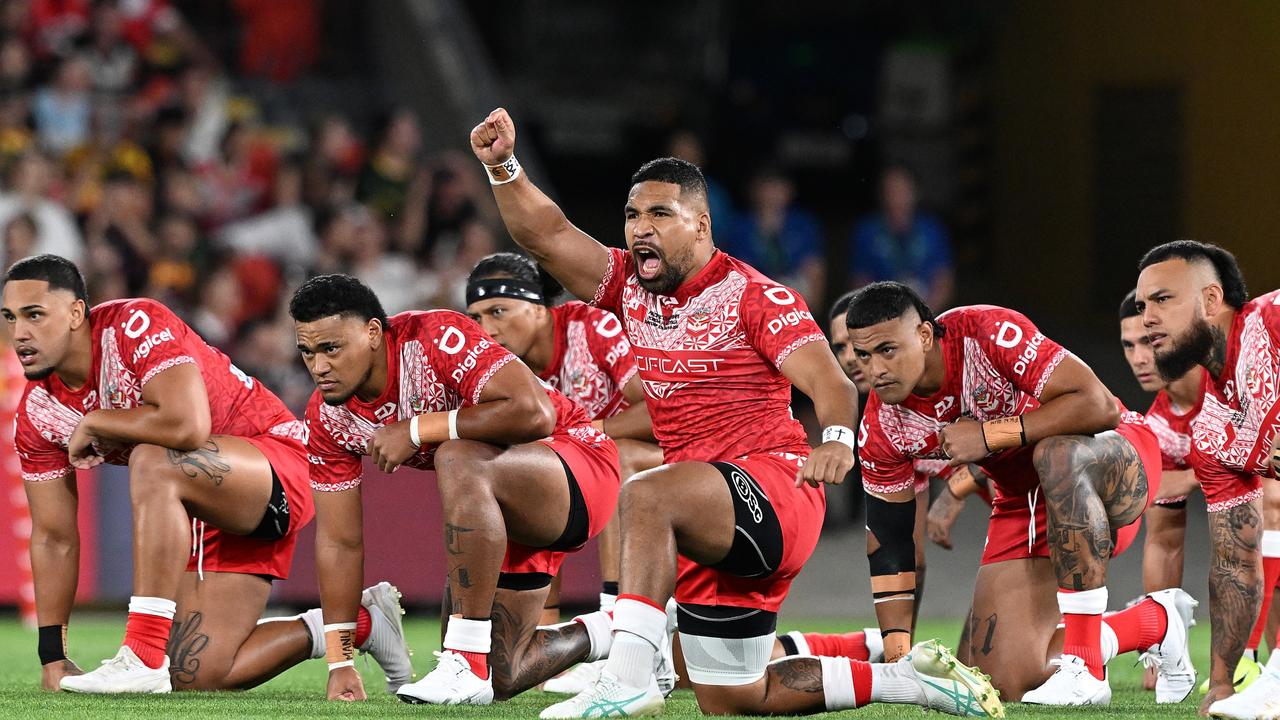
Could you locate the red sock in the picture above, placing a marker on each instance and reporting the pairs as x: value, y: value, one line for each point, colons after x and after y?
x: 851, y: 645
x: 1084, y: 640
x: 146, y: 635
x: 1270, y: 574
x: 364, y: 624
x: 1139, y: 627
x: 861, y: 670
x: 479, y: 663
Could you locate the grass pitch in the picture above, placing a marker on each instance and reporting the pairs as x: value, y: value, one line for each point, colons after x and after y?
x: 300, y: 691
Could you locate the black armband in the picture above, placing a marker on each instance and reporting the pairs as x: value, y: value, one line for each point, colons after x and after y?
x: 893, y: 525
x: 53, y: 643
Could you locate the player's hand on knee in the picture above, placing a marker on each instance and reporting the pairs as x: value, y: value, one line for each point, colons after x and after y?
x: 828, y: 463
x: 963, y: 442
x: 494, y: 139
x: 391, y: 446
x: 51, y: 674
x: 345, y: 684
x: 80, y: 450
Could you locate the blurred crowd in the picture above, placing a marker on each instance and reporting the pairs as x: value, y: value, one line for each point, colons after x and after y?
x: 127, y: 146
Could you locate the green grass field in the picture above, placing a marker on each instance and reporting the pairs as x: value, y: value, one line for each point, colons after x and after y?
x: 300, y: 692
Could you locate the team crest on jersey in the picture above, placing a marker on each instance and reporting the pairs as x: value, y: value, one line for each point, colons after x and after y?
x: 981, y: 396
x: 697, y: 322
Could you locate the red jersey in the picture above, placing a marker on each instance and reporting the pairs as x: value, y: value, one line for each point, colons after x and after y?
x: 133, y: 341
x: 1173, y: 428
x: 437, y: 360
x: 591, y: 361
x: 709, y: 357
x: 1239, y: 417
x: 997, y: 365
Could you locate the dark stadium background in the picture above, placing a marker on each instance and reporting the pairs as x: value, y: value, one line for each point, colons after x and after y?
x: 1056, y: 142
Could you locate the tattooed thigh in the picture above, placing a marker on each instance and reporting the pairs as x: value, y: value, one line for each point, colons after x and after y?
x: 203, y: 463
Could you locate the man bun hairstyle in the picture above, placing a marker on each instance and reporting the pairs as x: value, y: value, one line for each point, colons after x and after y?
x: 1224, y: 264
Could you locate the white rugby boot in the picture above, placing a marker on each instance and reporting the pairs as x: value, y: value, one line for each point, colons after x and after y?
x: 386, y: 634
x: 609, y: 697
x: 452, y: 682
x: 575, y: 679
x: 1070, y: 684
x: 949, y: 685
x: 124, y: 673
x: 1259, y: 701
x: 1176, y: 676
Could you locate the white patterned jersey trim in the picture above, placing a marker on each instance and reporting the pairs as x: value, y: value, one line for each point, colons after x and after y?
x: 171, y: 362
x: 1254, y: 379
x: 604, y: 281
x: 1233, y: 502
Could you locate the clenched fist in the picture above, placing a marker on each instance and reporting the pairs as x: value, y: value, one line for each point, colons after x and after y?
x: 494, y: 140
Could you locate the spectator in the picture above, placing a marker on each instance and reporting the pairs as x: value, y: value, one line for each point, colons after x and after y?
x: 123, y: 222
x: 283, y: 233
x: 384, y: 183
x: 778, y: 238
x: 173, y: 273
x: 19, y: 238
x: 53, y: 27
x: 216, y: 317
x: 15, y: 66
x: 113, y: 62
x: 901, y: 243
x: 204, y: 101
x: 685, y: 145
x: 266, y: 350
x: 445, y: 284
x: 281, y: 39
x: 62, y: 110
x: 30, y: 182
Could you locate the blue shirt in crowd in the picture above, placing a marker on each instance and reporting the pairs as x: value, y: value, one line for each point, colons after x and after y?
x: 914, y: 257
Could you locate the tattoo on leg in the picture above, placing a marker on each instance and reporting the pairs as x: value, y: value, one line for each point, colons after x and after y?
x: 799, y: 674
x: 1089, y: 485
x: 989, y: 636
x: 523, y: 655
x: 1235, y: 584
x: 464, y: 578
x: 453, y: 538
x: 203, y: 462
x: 186, y: 642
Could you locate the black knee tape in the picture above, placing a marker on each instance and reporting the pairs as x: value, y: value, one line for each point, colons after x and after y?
x: 788, y: 644
x: 275, y: 519
x: 757, y: 542
x: 523, y: 581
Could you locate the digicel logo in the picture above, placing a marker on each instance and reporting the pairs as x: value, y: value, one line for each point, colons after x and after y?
x: 150, y: 342
x: 788, y: 319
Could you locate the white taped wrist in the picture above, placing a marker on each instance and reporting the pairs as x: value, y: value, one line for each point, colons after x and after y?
x: 345, y: 663
x: 453, y: 425
x: 413, y: 432
x: 504, y: 172
x: 840, y: 434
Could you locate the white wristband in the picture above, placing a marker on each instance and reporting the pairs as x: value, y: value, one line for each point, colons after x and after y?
x: 339, y: 626
x: 505, y: 172
x: 344, y: 663
x: 453, y: 425
x: 840, y: 434
x: 413, y: 431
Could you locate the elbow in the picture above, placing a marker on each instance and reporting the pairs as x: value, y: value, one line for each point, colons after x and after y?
x: 1105, y: 409
x: 537, y: 417
x: 191, y: 433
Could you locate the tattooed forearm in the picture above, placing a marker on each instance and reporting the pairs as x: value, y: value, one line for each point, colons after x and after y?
x: 186, y: 642
x: 799, y: 674
x: 1235, y: 583
x: 201, y: 463
x: 523, y: 655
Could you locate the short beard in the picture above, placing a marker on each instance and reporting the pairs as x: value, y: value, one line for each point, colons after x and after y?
x: 35, y: 375
x: 668, y: 281
x: 1190, y: 350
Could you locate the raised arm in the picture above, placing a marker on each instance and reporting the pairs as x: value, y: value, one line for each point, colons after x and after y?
x: 535, y: 222
x: 55, y: 567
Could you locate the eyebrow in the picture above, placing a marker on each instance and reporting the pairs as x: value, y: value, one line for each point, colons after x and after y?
x: 660, y: 206
x: 884, y: 345
x: 1153, y: 293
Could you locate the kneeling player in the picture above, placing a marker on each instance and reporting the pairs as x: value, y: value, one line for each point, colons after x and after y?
x: 982, y: 385
x: 127, y: 382
x: 523, y: 478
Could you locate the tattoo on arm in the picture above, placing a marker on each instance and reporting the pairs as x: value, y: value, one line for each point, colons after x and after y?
x: 186, y: 642
x: 201, y: 463
x: 799, y: 674
x: 1235, y: 585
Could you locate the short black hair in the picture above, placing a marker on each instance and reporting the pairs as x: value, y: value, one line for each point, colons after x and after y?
x: 841, y: 305
x: 1129, y: 305
x: 1224, y: 264
x: 887, y: 300
x: 675, y: 171
x: 59, y: 272
x: 520, y: 267
x: 336, y: 294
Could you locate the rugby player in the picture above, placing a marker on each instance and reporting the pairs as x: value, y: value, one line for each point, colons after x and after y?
x: 1073, y: 474
x: 523, y: 478
x: 580, y: 351
x: 1196, y: 311
x: 740, y: 501
x: 217, y: 474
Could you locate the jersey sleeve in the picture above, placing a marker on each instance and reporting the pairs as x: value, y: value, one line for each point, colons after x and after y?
x: 40, y: 459
x: 333, y: 467
x: 777, y: 321
x: 464, y: 354
x: 609, y: 295
x: 152, y: 339
x: 884, y: 469
x: 611, y: 348
x: 1223, y: 487
x: 1018, y: 350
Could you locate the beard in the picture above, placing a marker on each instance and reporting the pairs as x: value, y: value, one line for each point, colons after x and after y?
x: 672, y: 276
x: 1189, y: 350
x: 38, y: 373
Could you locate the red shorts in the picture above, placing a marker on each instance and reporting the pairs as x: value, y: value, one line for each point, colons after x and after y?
x: 1019, y: 526
x: 225, y: 552
x: 593, y: 459
x: 800, y: 513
